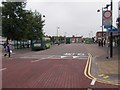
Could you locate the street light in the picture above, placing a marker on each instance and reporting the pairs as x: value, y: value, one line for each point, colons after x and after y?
x: 111, y: 36
x: 57, y: 30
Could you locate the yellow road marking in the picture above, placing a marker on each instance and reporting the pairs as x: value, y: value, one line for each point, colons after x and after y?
x: 106, y: 77
x: 85, y: 70
x: 101, y: 74
x: 88, y: 66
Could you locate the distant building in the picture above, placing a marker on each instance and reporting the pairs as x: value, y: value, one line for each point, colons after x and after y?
x: 106, y: 37
x: 74, y: 39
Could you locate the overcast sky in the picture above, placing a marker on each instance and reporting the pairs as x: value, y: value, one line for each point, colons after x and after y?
x: 74, y: 17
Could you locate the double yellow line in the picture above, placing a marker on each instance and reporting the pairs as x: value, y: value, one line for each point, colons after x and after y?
x: 87, y: 72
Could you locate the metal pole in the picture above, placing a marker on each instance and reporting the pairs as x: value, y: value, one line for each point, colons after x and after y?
x: 111, y: 36
x: 102, y: 29
x: 57, y: 32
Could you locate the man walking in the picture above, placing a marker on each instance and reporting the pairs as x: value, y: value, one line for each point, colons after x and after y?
x: 7, y: 48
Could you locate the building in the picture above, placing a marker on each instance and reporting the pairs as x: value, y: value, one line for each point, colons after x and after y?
x: 77, y: 39
x: 106, y: 37
x: 74, y: 39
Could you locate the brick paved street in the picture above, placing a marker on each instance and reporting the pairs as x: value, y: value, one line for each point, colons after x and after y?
x: 45, y: 71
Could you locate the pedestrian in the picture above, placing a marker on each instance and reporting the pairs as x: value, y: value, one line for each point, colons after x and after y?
x: 99, y: 42
x: 7, y: 48
x: 104, y: 42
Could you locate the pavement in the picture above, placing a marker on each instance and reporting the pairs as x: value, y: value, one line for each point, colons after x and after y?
x: 104, y: 68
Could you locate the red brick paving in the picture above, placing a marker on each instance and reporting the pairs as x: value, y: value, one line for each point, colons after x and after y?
x: 46, y: 74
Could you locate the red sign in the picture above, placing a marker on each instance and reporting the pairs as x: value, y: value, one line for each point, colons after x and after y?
x: 107, y: 14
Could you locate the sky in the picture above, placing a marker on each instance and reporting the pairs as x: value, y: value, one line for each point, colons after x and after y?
x: 73, y: 17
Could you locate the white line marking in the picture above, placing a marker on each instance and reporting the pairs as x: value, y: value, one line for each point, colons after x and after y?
x: 75, y: 56
x: 63, y: 56
x: 79, y: 54
x: 36, y: 60
x: 50, y: 56
x: 82, y: 58
x: 93, y: 82
x: 3, y: 69
x: 41, y: 59
x: 67, y: 54
x: 83, y: 54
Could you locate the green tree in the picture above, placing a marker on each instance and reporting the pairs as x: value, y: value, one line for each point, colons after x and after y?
x: 38, y: 24
x: 12, y: 20
x: 34, y: 25
x: 20, y: 24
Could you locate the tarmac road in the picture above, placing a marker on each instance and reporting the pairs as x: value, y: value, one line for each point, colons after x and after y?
x: 58, y: 67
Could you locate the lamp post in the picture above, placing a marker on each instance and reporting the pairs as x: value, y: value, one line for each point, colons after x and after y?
x: 102, y: 28
x: 57, y: 30
x: 111, y: 36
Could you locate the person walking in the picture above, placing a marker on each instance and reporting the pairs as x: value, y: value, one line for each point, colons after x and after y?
x: 7, y: 48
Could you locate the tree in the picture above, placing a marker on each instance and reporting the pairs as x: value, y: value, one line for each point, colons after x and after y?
x: 38, y: 24
x: 33, y: 25
x: 12, y: 20
x: 20, y: 24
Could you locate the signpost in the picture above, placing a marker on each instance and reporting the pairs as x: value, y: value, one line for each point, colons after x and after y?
x: 107, y: 15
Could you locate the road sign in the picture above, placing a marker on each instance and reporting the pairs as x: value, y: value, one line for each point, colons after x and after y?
x: 107, y: 14
x: 107, y: 18
x: 113, y: 30
x: 107, y: 27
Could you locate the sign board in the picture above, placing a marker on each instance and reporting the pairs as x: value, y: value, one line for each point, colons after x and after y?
x: 107, y: 18
x: 107, y: 27
x: 111, y: 30
x: 107, y: 14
